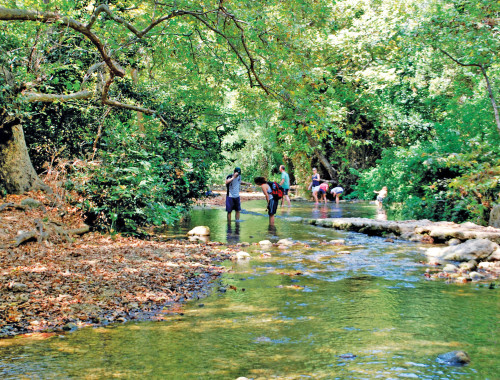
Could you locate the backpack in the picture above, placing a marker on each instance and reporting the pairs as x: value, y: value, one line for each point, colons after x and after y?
x: 277, y: 190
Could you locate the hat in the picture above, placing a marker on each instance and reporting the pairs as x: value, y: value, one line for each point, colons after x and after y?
x: 237, y: 170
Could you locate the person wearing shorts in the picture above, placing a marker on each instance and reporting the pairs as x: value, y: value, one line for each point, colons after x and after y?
x: 233, y: 184
x: 314, y: 185
x: 272, y: 203
x: 336, y: 191
x: 285, y: 184
x: 323, y: 189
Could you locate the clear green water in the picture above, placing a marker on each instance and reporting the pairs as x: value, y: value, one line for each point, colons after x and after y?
x: 366, y: 315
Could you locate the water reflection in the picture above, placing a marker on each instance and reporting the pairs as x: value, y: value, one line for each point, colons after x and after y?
x: 233, y: 233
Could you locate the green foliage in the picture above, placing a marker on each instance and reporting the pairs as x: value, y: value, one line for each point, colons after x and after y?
x: 426, y: 183
x: 150, y: 178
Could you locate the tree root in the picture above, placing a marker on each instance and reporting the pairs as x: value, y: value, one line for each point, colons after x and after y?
x: 45, y: 230
x: 12, y: 205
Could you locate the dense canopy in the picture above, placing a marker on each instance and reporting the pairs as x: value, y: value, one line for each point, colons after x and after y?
x: 144, y: 103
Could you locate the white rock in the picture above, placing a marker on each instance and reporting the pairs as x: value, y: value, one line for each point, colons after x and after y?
x: 469, y: 265
x: 495, y: 256
x: 286, y: 242
x: 470, y: 250
x: 450, y: 268
x: 265, y: 243
x: 489, y: 265
x: 200, y: 231
x: 475, y: 276
x: 454, y: 241
x: 265, y: 255
x: 242, y: 256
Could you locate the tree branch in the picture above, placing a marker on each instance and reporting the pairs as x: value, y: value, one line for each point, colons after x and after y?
x: 53, y: 17
x: 49, y: 98
x: 488, y: 84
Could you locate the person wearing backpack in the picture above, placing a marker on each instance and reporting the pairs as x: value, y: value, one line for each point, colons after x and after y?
x: 273, y: 193
x: 233, y: 184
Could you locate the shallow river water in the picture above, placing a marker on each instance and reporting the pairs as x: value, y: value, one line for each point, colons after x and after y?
x: 307, y: 312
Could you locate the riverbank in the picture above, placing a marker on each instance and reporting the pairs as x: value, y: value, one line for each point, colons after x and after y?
x: 58, y: 285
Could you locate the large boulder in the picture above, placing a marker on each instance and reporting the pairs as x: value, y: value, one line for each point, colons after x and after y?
x: 199, y: 231
x: 475, y: 249
x: 495, y: 216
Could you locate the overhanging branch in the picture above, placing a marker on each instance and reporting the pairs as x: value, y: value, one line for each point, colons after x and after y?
x: 50, y: 98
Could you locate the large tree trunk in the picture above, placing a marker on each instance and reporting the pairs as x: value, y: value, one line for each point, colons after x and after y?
x: 17, y: 174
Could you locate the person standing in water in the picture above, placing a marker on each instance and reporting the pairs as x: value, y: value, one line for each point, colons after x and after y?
x: 381, y: 195
x: 272, y: 203
x: 233, y: 184
x: 314, y: 185
x: 285, y: 184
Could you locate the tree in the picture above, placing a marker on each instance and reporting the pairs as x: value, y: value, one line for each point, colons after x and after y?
x: 119, y: 40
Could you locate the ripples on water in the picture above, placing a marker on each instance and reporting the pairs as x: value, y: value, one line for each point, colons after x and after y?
x: 306, y: 312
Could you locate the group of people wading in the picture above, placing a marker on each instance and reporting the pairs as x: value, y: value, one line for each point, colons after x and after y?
x: 274, y: 192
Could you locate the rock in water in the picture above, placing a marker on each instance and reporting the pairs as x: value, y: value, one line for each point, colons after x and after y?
x: 199, y: 231
x: 470, y: 250
x: 454, y: 358
x: 242, y: 256
x: 265, y: 243
x: 286, y: 242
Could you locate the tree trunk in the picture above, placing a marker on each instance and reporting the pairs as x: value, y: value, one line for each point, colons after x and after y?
x: 17, y: 174
x: 322, y: 158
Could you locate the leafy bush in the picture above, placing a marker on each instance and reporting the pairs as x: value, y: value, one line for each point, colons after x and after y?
x: 149, y: 177
x: 424, y: 183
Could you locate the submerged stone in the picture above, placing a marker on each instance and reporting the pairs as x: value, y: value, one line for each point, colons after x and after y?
x: 454, y: 358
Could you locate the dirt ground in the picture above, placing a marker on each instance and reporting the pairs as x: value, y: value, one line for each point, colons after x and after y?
x: 67, y: 281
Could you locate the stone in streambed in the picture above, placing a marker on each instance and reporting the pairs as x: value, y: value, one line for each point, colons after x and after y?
x: 242, y: 256
x: 454, y: 358
x: 450, y: 268
x: 475, y: 276
x: 469, y: 265
x: 470, y: 250
x: 285, y: 242
x: 454, y: 241
x: 69, y: 326
x: 199, y: 231
x: 265, y: 243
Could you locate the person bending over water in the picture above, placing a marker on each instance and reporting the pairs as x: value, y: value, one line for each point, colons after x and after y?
x: 314, y: 185
x: 323, y: 189
x: 336, y: 192
x: 272, y: 203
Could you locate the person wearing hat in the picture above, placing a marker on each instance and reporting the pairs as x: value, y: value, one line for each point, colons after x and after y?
x: 233, y: 184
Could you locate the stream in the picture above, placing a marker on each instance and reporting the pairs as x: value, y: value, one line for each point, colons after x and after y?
x: 306, y: 312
